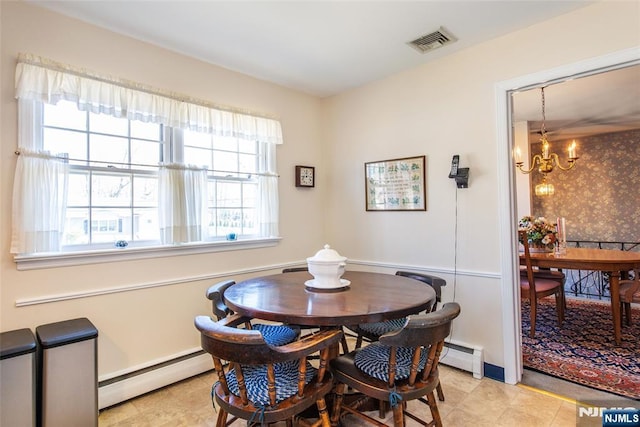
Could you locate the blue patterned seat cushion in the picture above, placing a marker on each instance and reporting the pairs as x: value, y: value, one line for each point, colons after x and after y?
x: 381, y: 328
x: 276, y: 334
x: 255, y: 378
x: 373, y: 360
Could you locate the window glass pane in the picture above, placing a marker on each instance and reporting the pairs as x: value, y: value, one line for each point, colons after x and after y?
x: 109, y: 225
x: 249, y: 195
x: 109, y: 149
x: 212, y: 230
x: 246, y: 146
x: 197, y: 156
x: 225, y: 162
x: 145, y: 191
x: 145, y: 224
x: 78, y: 189
x: 103, y: 123
x: 229, y: 220
x: 229, y: 194
x: 197, y: 139
x: 58, y: 141
x: 65, y: 114
x: 225, y: 143
x: 76, y: 231
x: 250, y: 222
x: 145, y: 153
x: 110, y: 190
x: 247, y: 163
x: 145, y: 130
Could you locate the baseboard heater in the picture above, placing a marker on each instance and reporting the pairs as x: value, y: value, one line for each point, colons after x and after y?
x: 463, y: 356
x: 123, y: 387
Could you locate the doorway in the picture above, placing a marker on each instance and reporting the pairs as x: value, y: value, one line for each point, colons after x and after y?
x: 508, y: 210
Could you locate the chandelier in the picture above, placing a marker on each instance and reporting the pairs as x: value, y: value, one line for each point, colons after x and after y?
x: 546, y: 161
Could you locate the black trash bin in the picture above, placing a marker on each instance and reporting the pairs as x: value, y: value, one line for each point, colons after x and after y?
x: 18, y: 378
x: 68, y: 379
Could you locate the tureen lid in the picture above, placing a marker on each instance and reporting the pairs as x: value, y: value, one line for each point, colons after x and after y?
x: 327, y: 255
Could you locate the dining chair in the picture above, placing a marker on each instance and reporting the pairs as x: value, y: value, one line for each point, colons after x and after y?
x: 401, y: 366
x: 274, y: 334
x: 533, y: 288
x: 546, y: 273
x: 370, y: 332
x: 629, y: 292
x: 264, y: 384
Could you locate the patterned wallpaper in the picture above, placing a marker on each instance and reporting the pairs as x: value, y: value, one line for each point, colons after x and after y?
x: 600, y: 196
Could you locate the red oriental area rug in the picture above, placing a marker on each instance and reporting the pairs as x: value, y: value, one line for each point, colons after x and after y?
x: 583, y: 350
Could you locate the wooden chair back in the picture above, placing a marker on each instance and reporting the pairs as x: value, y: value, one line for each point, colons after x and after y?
x: 425, y: 332
x: 234, y: 349
x: 529, y: 268
x: 216, y: 294
x: 434, y: 281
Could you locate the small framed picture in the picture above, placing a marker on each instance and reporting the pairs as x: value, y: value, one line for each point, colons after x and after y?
x: 396, y: 185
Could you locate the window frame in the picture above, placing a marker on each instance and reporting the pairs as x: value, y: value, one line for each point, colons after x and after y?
x: 173, y: 144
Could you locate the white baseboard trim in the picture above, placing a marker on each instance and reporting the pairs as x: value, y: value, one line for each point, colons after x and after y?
x: 134, y: 385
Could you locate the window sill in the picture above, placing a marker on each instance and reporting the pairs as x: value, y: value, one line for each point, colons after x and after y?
x: 66, y: 259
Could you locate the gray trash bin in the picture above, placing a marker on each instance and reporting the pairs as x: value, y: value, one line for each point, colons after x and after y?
x: 18, y: 378
x: 68, y: 378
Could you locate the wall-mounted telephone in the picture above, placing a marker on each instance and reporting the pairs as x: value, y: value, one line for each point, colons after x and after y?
x: 454, y: 166
x: 461, y: 175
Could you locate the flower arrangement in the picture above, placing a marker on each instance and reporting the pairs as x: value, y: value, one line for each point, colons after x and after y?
x: 540, y: 231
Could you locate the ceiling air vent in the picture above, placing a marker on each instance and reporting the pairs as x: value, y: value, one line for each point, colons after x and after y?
x: 432, y: 41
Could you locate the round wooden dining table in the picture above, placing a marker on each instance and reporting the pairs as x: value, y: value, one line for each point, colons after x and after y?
x: 369, y: 297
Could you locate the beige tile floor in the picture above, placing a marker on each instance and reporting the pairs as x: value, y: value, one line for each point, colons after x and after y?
x: 469, y: 402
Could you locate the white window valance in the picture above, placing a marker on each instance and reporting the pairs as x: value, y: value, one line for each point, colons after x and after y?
x: 48, y: 81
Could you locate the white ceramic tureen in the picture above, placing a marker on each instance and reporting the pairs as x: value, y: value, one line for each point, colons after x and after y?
x: 327, y: 266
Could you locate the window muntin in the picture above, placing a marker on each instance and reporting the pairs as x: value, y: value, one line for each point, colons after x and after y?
x: 113, y: 183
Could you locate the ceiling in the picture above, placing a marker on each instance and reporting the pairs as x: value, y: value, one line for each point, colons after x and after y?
x: 600, y: 103
x: 326, y: 47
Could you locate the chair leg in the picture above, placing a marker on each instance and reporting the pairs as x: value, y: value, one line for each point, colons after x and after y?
x: 337, y: 404
x: 440, y: 392
x: 222, y: 418
x: 358, y: 342
x: 398, y: 416
x: 534, y: 310
x: 435, y: 413
x: 626, y: 311
x: 323, y: 415
x: 345, y: 346
x: 560, y: 307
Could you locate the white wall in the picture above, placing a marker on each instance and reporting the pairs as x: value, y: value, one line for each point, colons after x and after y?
x: 439, y: 109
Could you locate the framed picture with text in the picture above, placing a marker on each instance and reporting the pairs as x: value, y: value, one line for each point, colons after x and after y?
x: 396, y: 184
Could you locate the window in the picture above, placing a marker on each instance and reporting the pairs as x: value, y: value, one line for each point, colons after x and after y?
x: 113, y: 176
x: 104, y: 160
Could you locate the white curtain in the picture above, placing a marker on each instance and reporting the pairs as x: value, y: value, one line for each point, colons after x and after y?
x: 182, y: 204
x: 268, y: 192
x: 40, y: 191
x: 49, y: 81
